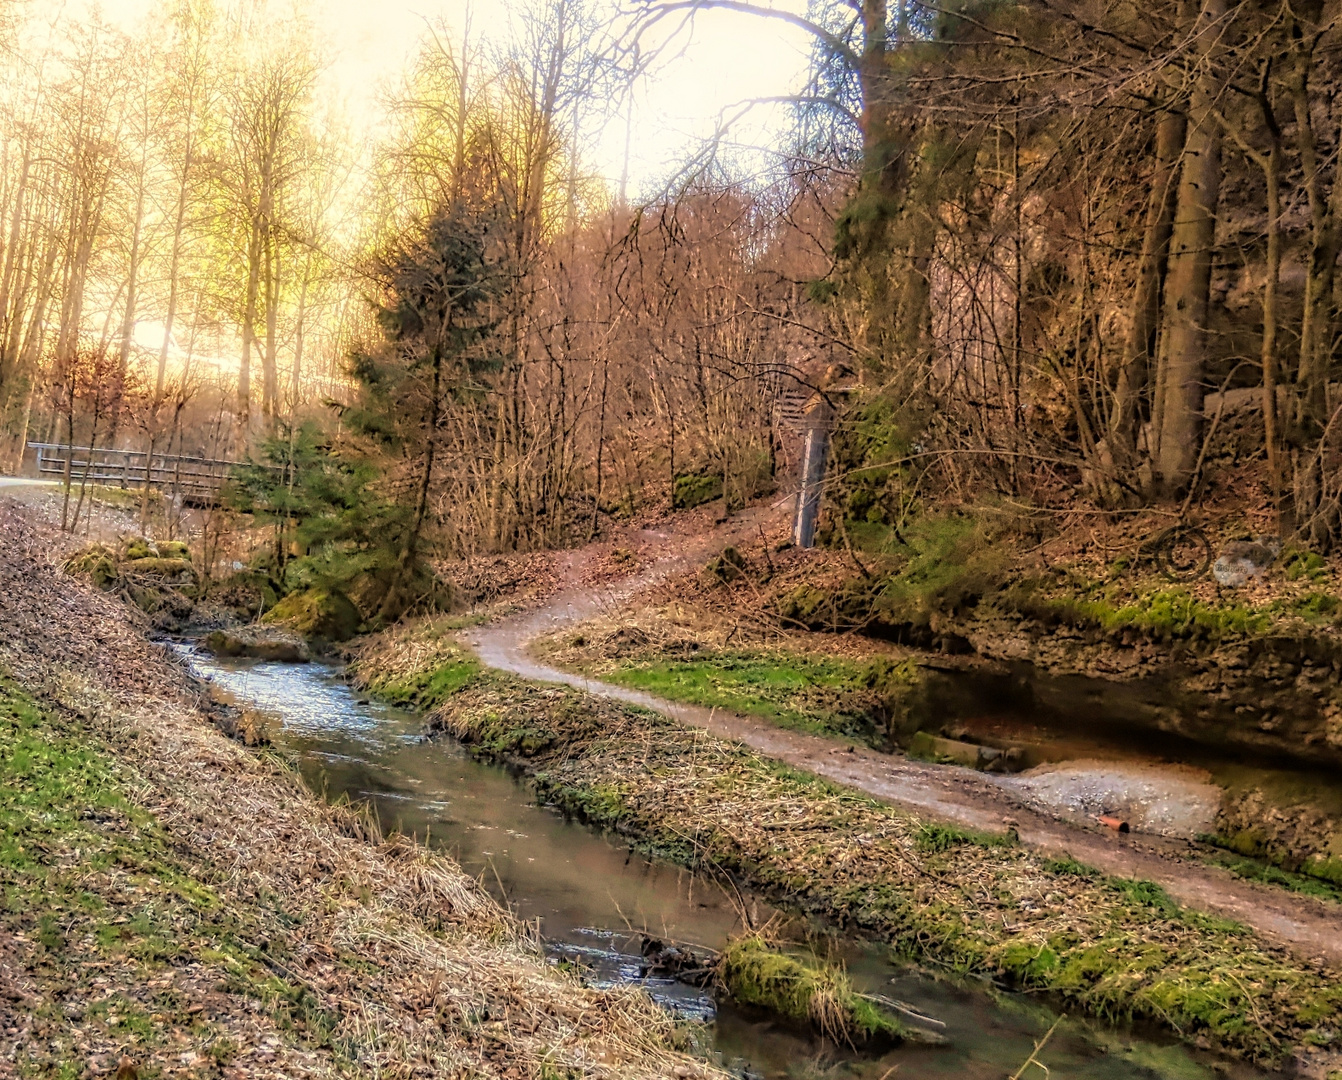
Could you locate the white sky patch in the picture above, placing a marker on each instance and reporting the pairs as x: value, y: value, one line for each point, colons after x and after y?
x: 725, y: 58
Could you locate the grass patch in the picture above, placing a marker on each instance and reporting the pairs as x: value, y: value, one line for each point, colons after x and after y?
x: 821, y: 695
x: 429, y: 688
x: 120, y: 498
x: 934, y: 837
x: 1256, y: 870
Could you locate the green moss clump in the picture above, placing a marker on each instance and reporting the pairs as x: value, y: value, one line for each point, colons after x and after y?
x: 1310, y: 565
x: 323, y: 614
x: 695, y: 490
x: 821, y: 694
x: 1165, y: 613
x: 806, y: 992
x: 159, y: 567
x: 96, y: 563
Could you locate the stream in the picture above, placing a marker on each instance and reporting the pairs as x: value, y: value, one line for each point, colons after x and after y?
x: 594, y: 900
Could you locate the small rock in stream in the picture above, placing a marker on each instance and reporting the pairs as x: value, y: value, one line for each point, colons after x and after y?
x: 674, y: 962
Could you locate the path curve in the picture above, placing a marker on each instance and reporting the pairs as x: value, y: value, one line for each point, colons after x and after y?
x: 1310, y: 927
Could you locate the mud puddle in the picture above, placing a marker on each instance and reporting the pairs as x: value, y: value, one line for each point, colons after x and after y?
x: 594, y: 900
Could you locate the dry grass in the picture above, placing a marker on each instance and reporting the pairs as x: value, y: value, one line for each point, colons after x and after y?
x: 419, y: 972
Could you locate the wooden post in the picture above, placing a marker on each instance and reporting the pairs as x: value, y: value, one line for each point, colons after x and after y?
x: 817, y: 416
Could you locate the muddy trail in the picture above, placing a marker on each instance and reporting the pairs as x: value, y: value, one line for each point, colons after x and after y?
x: 1309, y: 926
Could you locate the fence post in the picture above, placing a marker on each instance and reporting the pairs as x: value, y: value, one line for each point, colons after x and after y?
x: 817, y: 421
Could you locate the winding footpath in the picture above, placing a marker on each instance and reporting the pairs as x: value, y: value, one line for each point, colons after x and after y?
x: 1310, y: 927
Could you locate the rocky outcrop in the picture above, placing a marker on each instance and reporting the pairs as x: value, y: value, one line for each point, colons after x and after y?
x: 259, y: 642
x: 1277, y: 693
x: 317, y: 615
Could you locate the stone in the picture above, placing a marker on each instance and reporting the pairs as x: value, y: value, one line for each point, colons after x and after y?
x: 317, y: 614
x: 1240, y: 561
x: 261, y: 644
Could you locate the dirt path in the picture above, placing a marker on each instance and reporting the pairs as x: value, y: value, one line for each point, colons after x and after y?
x: 1312, y: 928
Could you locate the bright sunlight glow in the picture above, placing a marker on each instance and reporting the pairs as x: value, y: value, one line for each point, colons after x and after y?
x: 725, y: 60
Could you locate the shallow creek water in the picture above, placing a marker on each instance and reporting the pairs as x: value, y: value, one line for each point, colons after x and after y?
x: 594, y: 899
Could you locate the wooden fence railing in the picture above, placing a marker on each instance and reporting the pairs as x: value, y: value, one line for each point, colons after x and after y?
x: 194, y: 479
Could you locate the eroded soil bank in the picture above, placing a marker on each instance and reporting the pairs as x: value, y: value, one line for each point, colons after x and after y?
x: 180, y: 903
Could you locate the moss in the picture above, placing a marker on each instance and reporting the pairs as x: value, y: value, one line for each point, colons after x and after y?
x: 1316, y: 606
x: 430, y: 688
x: 697, y: 489
x: 97, y: 563
x: 1165, y: 613
x: 824, y: 695
x: 1298, y: 564
x: 805, y: 991
x: 159, y: 567
x: 138, y: 548
x: 318, y: 614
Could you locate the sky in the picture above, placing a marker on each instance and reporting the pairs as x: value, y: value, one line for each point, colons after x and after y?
x: 726, y: 59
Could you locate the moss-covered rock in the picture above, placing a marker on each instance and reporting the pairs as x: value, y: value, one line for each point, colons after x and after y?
x: 174, y: 549
x: 806, y: 992
x: 160, y: 567
x: 138, y: 548
x: 695, y: 490
x: 97, y: 563
x: 317, y: 614
x: 261, y: 643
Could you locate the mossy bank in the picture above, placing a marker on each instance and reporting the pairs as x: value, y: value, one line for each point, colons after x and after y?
x: 968, y: 902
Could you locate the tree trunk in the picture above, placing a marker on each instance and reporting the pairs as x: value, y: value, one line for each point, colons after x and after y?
x: 270, y: 358
x: 1134, y: 372
x: 1187, y: 294
x: 249, y: 333
x: 392, y: 604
